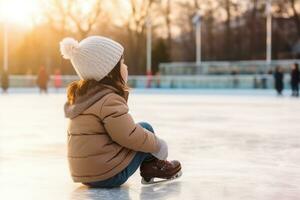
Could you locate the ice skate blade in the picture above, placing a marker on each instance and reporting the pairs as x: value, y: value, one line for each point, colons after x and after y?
x: 152, y: 181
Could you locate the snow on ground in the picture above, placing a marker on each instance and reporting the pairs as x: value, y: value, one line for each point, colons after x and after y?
x: 232, y: 145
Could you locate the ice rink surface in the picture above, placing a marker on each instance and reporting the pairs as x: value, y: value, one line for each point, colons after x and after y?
x: 232, y: 145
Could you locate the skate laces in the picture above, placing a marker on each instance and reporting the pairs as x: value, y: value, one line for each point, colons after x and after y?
x: 164, y: 164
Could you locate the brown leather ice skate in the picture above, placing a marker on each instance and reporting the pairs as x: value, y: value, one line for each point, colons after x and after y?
x: 161, y: 169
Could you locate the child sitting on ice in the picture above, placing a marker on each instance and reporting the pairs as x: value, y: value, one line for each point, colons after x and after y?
x: 105, y: 145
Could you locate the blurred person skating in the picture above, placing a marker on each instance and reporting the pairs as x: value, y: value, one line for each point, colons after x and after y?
x: 42, y: 80
x: 263, y: 80
x: 295, y: 80
x: 278, y: 79
x: 105, y: 145
x: 235, y: 79
x: 4, y: 81
x: 57, y: 79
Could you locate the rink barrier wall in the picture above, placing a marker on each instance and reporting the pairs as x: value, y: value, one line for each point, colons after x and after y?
x: 224, y: 67
x: 192, y: 81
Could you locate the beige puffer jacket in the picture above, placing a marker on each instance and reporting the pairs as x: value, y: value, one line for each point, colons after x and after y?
x: 102, y: 136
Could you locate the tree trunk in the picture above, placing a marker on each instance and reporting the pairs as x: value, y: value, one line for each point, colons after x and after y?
x: 295, y: 16
x: 168, y: 22
x: 253, y: 25
x: 228, y: 33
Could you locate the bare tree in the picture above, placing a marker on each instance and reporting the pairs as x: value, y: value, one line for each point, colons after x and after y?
x: 296, y: 16
x: 227, y: 5
x: 253, y: 25
x: 85, y: 23
x: 210, y: 23
x: 183, y: 20
x: 67, y: 16
x: 167, y: 16
x: 140, y: 10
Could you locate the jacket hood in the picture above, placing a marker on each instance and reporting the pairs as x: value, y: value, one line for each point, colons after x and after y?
x: 88, y: 99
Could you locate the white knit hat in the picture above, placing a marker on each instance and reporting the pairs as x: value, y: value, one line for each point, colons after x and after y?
x: 92, y: 58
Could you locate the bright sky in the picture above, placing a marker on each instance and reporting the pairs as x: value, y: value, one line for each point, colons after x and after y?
x: 21, y: 12
x: 28, y: 12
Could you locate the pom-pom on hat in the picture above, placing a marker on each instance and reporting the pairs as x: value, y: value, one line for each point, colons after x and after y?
x: 92, y: 58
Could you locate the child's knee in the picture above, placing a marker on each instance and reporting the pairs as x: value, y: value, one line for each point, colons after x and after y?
x: 147, y: 126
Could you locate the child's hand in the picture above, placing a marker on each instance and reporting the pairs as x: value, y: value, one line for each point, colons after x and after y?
x: 162, y: 154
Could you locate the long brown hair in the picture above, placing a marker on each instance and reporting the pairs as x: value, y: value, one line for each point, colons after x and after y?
x: 114, y: 79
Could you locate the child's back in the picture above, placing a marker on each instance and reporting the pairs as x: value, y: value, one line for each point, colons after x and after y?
x: 93, y: 153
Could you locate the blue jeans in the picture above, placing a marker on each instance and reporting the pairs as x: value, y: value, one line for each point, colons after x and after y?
x: 122, y: 177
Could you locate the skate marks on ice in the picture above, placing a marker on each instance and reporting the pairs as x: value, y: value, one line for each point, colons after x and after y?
x: 84, y: 192
x: 167, y: 190
x: 162, y: 191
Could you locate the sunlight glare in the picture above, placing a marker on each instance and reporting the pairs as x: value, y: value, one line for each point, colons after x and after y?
x: 21, y: 12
